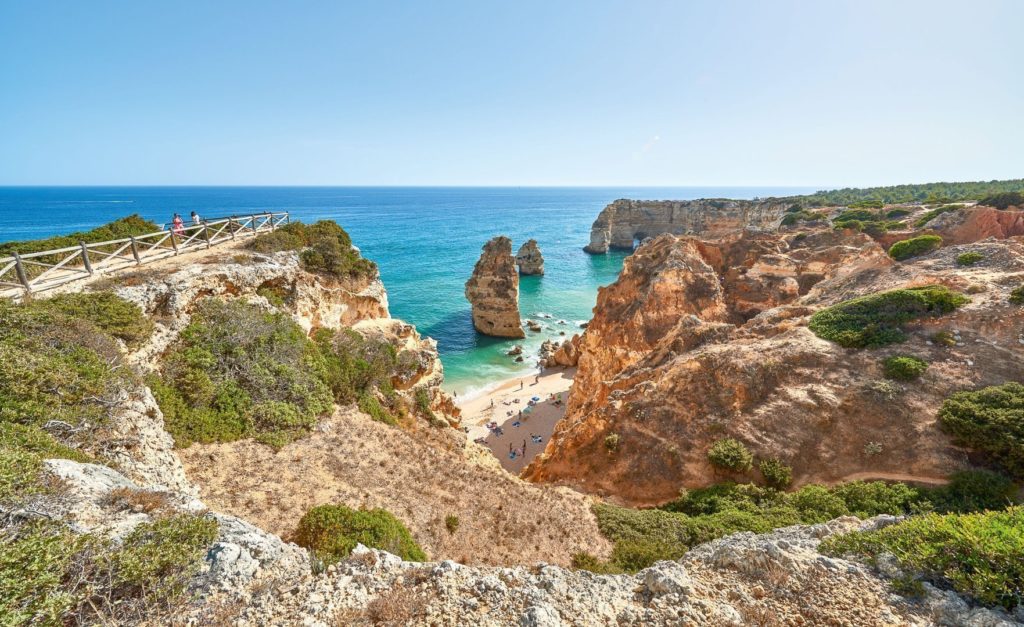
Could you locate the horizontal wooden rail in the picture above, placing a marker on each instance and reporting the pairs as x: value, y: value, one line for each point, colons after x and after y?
x: 40, y: 271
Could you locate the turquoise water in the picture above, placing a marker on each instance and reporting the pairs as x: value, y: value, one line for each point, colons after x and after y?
x: 425, y: 241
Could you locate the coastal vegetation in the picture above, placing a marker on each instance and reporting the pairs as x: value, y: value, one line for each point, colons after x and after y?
x: 644, y: 536
x: 323, y: 247
x: 931, y: 193
x: 931, y: 214
x: 128, y: 226
x: 914, y: 247
x: 989, y: 420
x: 50, y: 575
x: 877, y: 319
x: 332, y: 531
x: 904, y: 367
x: 1003, y: 200
x: 969, y: 258
x: 979, y: 554
x: 730, y: 454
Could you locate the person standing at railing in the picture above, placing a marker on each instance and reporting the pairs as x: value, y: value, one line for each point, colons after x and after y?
x: 196, y: 220
x: 177, y: 225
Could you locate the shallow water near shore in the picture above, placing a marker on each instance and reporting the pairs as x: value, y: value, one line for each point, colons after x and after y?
x: 425, y: 240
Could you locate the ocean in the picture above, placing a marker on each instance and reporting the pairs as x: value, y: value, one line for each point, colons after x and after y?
x: 424, y: 239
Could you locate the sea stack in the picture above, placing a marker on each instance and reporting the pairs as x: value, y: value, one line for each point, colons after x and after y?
x: 529, y: 259
x: 493, y: 291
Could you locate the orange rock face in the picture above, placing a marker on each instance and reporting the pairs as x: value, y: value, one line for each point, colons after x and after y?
x: 700, y: 340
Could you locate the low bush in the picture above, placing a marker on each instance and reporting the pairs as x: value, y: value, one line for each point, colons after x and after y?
x: 1017, y: 295
x: 332, y: 531
x: 980, y: 555
x: 944, y: 338
x: 867, y: 204
x: 323, y: 247
x: 969, y: 258
x: 969, y: 491
x: 989, y: 420
x: 118, y: 229
x: 777, y: 474
x: 931, y: 214
x: 1003, y: 200
x: 611, y: 442
x: 238, y: 371
x: 914, y: 247
x: 904, y: 367
x: 451, y: 523
x: 52, y: 576
x: 730, y: 454
x: 803, y: 216
x: 876, y: 319
x: 897, y: 213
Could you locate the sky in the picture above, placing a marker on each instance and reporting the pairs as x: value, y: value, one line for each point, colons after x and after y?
x: 530, y: 92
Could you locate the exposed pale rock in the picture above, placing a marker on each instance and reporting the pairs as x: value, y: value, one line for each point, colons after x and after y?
x: 624, y: 222
x: 529, y: 258
x: 493, y: 291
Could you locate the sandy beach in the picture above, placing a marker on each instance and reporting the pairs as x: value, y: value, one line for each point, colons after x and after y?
x: 500, y: 406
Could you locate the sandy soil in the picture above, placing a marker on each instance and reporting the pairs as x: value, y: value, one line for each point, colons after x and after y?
x: 503, y: 406
x: 355, y: 461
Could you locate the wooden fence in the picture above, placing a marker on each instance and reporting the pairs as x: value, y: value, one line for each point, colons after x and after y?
x: 47, y: 269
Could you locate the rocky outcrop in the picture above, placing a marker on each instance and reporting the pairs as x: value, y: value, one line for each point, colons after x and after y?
x: 976, y: 223
x: 744, y: 579
x: 701, y: 340
x: 623, y: 223
x: 566, y: 354
x: 529, y: 258
x: 493, y: 291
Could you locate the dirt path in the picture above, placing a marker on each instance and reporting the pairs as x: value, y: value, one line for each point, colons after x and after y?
x: 891, y: 476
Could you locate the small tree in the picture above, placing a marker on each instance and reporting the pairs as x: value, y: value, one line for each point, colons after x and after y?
x: 731, y: 454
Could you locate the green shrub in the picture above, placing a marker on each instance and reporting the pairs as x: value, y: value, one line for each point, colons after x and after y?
x: 332, y: 531
x: 803, y: 216
x: 990, y: 420
x: 867, y: 204
x: 897, y: 213
x: 914, y: 247
x: 904, y: 367
x: 865, y: 499
x: 777, y: 474
x: 422, y: 398
x: 876, y: 319
x: 451, y: 523
x: 118, y: 229
x: 111, y: 314
x: 944, y: 338
x: 354, y: 365
x: 611, y: 442
x: 238, y: 371
x: 1017, y: 295
x: 324, y: 247
x: 970, y: 491
x: 730, y: 454
x: 860, y: 215
x: 817, y: 503
x: 980, y: 555
x: 51, y: 576
x: 969, y: 258
x: 1003, y: 200
x: 931, y: 214
x: 369, y: 404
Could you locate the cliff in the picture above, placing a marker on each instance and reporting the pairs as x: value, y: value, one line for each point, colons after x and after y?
x: 493, y: 291
x: 700, y: 340
x: 623, y: 223
x: 529, y: 258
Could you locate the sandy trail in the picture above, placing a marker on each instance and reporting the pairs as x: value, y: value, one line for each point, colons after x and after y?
x: 539, y: 421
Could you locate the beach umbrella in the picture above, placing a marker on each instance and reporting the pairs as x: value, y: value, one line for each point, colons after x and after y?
x: 535, y: 398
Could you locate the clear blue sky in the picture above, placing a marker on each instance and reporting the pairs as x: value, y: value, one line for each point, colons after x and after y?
x: 524, y: 92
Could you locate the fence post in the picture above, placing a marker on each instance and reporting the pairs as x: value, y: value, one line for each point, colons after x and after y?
x: 85, y: 258
x: 135, y: 251
x: 252, y: 223
x: 287, y: 218
x: 231, y: 226
x: 270, y: 218
x: 174, y: 243
x: 206, y: 234
x: 19, y: 268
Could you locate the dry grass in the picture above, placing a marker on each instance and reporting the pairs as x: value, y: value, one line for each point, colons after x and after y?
x: 137, y: 500
x: 361, y: 463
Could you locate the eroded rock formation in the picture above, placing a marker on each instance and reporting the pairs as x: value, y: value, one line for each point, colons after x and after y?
x: 702, y: 340
x: 623, y: 223
x: 529, y: 258
x: 493, y: 291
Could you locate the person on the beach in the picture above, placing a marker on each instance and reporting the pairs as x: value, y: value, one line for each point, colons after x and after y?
x: 520, y: 385
x: 492, y: 403
x: 524, y: 447
x: 177, y: 225
x: 536, y: 380
x: 196, y: 220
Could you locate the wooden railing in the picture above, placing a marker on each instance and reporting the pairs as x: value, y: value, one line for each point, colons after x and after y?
x: 47, y: 269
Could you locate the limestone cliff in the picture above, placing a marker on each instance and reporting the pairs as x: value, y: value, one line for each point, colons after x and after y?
x: 701, y: 340
x: 529, y: 258
x: 493, y: 291
x: 625, y: 222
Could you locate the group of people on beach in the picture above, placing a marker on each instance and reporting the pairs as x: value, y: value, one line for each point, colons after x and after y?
x: 178, y: 225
